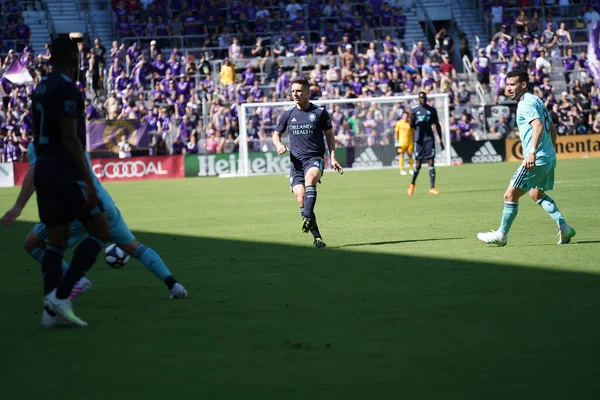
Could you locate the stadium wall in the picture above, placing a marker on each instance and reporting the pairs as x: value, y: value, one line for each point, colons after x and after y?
x: 264, y: 163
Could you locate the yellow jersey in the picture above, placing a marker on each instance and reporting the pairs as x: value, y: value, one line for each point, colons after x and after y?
x: 403, y: 132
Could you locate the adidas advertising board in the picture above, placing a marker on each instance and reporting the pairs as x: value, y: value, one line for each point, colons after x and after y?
x: 488, y: 151
x: 367, y: 159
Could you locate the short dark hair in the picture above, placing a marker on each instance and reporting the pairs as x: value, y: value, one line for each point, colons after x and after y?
x: 520, y: 73
x: 422, y: 94
x: 301, y: 80
x: 63, y: 50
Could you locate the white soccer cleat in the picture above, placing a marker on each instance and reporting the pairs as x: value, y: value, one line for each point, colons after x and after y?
x: 82, y: 286
x: 178, y: 291
x: 411, y: 172
x: 63, y: 308
x: 48, y: 321
x: 565, y: 234
x: 493, y: 237
x: 402, y: 172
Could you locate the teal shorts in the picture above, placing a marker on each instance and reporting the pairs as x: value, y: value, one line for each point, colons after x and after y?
x: 119, y: 231
x: 539, y: 177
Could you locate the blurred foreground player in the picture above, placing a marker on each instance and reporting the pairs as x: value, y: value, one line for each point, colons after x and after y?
x: 63, y: 181
x: 37, y: 240
x: 306, y: 123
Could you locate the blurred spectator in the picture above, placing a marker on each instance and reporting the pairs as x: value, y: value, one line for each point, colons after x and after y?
x: 123, y: 146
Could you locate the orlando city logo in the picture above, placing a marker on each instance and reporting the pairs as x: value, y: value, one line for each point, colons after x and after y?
x: 312, y: 117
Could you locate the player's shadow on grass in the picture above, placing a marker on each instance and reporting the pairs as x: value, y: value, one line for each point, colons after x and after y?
x: 266, y: 320
x: 392, y: 242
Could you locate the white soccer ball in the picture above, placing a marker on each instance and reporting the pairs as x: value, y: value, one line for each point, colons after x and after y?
x: 115, y: 257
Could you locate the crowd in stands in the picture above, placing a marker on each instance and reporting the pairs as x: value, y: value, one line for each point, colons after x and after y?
x: 239, y: 52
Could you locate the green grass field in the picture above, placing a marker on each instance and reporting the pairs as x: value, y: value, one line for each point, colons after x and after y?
x: 403, y: 303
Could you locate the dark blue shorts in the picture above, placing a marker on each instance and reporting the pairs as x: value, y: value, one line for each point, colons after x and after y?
x: 425, y: 150
x: 298, y: 169
x: 60, y: 196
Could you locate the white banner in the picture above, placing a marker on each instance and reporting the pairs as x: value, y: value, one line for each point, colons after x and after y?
x: 7, y: 175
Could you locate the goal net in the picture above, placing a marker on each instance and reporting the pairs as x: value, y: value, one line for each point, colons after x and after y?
x: 364, y: 130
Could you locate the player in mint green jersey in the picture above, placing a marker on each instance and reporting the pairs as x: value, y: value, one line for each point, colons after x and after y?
x: 536, y: 174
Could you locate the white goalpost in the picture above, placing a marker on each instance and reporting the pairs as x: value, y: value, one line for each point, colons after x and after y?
x: 370, y: 146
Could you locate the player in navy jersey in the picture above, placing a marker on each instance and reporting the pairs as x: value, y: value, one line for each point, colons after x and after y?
x: 423, y: 118
x: 65, y: 190
x: 306, y: 123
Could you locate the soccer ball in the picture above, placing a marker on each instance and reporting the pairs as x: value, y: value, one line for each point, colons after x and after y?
x: 115, y: 257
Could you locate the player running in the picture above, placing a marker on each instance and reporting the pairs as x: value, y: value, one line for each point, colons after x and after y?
x: 306, y: 124
x: 404, y: 141
x: 536, y: 173
x: 37, y: 239
x: 63, y: 181
x: 423, y: 118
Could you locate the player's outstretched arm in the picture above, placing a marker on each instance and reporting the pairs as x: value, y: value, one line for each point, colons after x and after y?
x: 329, y: 135
x: 75, y: 153
x: 25, y: 194
x: 281, y: 148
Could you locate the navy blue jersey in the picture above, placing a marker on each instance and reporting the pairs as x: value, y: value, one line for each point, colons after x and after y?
x: 306, y: 129
x: 55, y: 97
x: 424, y: 117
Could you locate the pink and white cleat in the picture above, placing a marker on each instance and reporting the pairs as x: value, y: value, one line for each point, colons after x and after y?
x: 83, y: 285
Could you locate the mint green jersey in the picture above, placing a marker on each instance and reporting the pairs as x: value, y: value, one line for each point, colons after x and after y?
x: 529, y: 109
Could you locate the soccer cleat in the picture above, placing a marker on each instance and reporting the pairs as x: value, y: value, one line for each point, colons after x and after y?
x: 565, y: 234
x: 402, y: 172
x: 410, y: 171
x: 307, y: 224
x: 82, y: 286
x: 49, y: 321
x: 411, y: 189
x: 63, y: 308
x: 178, y: 291
x: 434, y: 191
x: 493, y: 237
x: 319, y: 243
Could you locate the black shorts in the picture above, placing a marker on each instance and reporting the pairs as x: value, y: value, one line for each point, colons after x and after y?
x: 425, y: 150
x: 60, y: 196
x: 298, y: 169
x: 483, y: 78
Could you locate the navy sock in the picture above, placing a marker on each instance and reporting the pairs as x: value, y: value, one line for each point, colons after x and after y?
x: 51, y: 267
x: 83, y: 258
x: 315, y: 231
x: 310, y: 198
x: 432, y: 176
x: 415, y: 174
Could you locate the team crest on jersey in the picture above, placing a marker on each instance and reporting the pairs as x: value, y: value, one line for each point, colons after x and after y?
x: 312, y: 116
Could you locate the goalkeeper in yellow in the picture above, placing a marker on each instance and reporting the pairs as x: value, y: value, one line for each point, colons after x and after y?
x: 404, y: 141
